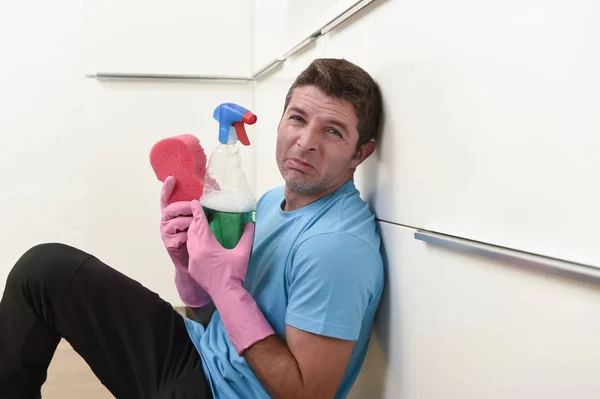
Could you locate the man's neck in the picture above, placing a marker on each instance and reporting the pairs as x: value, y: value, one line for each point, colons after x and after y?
x: 295, y: 200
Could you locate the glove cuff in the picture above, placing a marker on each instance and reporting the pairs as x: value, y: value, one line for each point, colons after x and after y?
x: 190, y: 292
x: 243, y: 320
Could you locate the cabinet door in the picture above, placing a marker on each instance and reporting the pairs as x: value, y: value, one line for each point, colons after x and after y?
x: 279, y: 26
x: 390, y: 370
x: 270, y: 31
x: 509, y: 120
x: 493, y: 330
x: 492, y: 121
x: 454, y: 325
x: 183, y: 37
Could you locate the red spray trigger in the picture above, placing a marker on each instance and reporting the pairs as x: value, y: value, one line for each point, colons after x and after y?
x: 240, y: 130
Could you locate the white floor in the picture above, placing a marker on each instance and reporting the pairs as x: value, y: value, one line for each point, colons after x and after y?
x: 69, y: 377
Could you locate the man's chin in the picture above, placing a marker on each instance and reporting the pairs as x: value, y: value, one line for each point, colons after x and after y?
x: 301, y: 187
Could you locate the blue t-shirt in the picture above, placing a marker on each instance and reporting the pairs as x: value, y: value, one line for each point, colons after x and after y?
x: 318, y: 269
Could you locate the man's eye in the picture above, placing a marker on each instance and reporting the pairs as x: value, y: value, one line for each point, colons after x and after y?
x: 334, y: 131
x: 297, y: 118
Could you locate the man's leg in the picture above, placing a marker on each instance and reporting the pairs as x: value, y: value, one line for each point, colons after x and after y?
x: 133, y: 341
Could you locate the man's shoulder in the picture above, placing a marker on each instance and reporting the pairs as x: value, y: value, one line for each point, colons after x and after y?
x: 345, y: 228
x: 348, y: 218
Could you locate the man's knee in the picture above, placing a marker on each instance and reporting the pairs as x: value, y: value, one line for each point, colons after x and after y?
x: 46, y: 262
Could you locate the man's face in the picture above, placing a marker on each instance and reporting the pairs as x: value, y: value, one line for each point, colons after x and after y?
x: 316, y: 142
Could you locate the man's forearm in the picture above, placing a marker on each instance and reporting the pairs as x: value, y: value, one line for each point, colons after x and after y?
x: 305, y: 366
x: 269, y: 358
x: 276, y: 368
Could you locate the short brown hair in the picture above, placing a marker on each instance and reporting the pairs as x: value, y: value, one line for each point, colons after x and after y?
x: 342, y: 79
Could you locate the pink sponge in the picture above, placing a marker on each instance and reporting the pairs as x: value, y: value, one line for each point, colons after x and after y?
x: 183, y: 158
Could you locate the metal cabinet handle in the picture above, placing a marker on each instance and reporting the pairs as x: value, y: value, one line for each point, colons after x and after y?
x: 156, y: 76
x: 329, y: 25
x: 574, y: 270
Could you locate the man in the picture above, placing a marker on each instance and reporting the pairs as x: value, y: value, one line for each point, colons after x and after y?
x: 293, y: 320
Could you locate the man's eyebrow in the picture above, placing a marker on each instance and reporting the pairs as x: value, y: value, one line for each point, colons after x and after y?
x: 300, y: 111
x: 335, y: 122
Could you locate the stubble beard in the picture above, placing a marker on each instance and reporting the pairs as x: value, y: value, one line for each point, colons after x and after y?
x: 304, y: 187
x: 302, y: 184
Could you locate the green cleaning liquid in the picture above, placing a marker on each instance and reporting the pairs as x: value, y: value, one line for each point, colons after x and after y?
x: 228, y: 227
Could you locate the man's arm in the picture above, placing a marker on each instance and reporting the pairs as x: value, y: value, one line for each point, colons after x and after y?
x: 331, y: 283
x: 310, y: 366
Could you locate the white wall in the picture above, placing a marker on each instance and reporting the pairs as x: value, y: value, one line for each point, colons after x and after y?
x: 492, y: 134
x: 186, y: 37
x: 42, y: 147
x: 76, y: 151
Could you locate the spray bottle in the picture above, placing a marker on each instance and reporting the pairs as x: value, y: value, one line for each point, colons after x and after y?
x: 227, y: 200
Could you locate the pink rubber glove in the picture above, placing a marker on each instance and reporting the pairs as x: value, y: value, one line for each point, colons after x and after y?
x: 174, y: 223
x: 222, y: 272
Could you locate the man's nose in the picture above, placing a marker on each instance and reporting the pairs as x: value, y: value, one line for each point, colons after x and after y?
x: 308, y: 138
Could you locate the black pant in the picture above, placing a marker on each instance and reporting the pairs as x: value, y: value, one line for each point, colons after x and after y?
x: 135, y: 343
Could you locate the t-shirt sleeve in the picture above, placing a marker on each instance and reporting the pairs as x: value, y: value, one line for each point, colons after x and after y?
x: 333, y: 280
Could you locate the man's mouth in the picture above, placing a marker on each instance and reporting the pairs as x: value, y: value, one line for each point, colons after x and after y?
x: 299, y: 164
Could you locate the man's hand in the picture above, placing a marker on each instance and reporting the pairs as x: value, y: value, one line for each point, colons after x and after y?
x: 174, y: 223
x: 310, y: 366
x: 221, y: 272
x: 215, y: 268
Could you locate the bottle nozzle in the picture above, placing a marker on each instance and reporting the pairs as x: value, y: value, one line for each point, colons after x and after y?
x: 249, y: 118
x: 230, y: 114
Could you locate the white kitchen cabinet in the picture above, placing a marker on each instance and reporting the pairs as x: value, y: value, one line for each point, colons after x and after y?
x: 457, y: 325
x: 279, y: 26
x: 157, y: 37
x: 390, y: 370
x: 489, y: 329
x: 491, y: 119
x: 509, y: 123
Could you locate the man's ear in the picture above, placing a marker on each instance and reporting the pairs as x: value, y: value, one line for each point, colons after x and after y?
x: 363, y: 153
